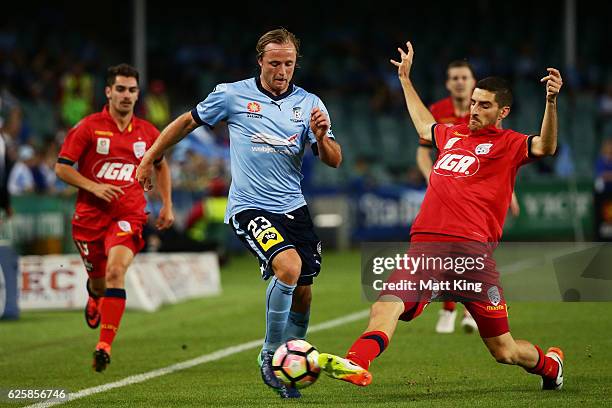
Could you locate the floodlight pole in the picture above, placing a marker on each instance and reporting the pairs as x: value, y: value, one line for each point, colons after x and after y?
x: 139, y: 40
x: 569, y: 27
x: 570, y: 33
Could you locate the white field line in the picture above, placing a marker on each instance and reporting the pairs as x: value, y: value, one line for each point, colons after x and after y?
x: 205, y: 358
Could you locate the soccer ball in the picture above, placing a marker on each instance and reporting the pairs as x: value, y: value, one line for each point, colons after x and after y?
x: 296, y: 364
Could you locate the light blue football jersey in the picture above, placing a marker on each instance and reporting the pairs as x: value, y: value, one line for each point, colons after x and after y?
x: 268, y: 136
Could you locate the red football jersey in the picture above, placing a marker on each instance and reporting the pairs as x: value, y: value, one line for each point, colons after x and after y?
x: 443, y: 111
x: 471, y: 182
x: 106, y: 155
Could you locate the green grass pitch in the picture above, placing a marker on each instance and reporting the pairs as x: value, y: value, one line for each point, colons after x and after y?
x: 420, y: 368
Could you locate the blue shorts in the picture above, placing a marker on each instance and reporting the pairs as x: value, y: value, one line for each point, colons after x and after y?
x: 267, y: 234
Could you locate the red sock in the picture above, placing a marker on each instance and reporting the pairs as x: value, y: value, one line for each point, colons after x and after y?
x: 367, y: 347
x: 546, y: 366
x: 450, y: 306
x: 111, y: 309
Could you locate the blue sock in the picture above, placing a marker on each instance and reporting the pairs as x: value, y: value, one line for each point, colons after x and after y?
x: 278, y: 305
x: 297, y: 325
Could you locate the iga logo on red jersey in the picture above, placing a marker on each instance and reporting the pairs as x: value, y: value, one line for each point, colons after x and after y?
x: 457, y: 163
x: 116, y: 169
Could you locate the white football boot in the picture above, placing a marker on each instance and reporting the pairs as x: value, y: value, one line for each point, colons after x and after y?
x: 446, y: 321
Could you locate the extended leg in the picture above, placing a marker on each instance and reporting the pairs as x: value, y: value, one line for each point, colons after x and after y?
x: 384, y: 315
x: 549, y: 366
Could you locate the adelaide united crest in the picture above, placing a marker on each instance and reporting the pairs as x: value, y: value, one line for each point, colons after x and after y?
x: 139, y: 149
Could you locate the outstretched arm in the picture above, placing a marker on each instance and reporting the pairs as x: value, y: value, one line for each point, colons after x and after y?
x: 172, y: 134
x: 420, y: 115
x: 546, y: 143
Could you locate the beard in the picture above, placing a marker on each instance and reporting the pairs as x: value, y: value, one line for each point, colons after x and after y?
x: 475, y: 125
x: 124, y: 109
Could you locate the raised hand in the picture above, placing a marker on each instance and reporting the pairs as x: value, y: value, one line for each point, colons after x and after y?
x: 554, y: 82
x: 319, y: 123
x: 403, y: 67
x: 107, y: 192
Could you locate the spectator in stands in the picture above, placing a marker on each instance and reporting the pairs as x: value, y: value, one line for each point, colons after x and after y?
x: 605, y: 103
x: 28, y: 175
x: 194, y: 172
x: 603, y: 167
x: 48, y: 160
x: 77, y: 95
x: 362, y: 178
x: 525, y: 65
x: 157, y: 105
x: 205, y: 225
x: 413, y: 178
x: 6, y: 164
x: 204, y: 228
x: 74, y: 107
x: 564, y: 164
x: 10, y: 113
x: 10, y: 124
x: 604, y: 110
x: 40, y: 115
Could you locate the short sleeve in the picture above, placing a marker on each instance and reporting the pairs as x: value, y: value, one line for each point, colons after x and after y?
x: 518, y: 146
x: 76, y: 142
x: 213, y: 109
x: 311, y: 136
x: 439, y: 135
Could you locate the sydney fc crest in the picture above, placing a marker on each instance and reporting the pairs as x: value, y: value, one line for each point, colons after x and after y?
x: 139, y: 149
x: 297, y: 114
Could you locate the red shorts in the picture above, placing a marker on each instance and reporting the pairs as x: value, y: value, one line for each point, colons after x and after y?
x: 94, y: 244
x: 491, y: 318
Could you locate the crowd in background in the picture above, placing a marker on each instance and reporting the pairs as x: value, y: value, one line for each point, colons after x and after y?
x: 51, y: 76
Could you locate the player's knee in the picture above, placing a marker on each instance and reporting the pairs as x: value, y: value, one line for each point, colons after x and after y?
x: 288, y: 274
x: 115, y: 275
x: 504, y: 355
x: 386, y: 309
x: 288, y: 269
